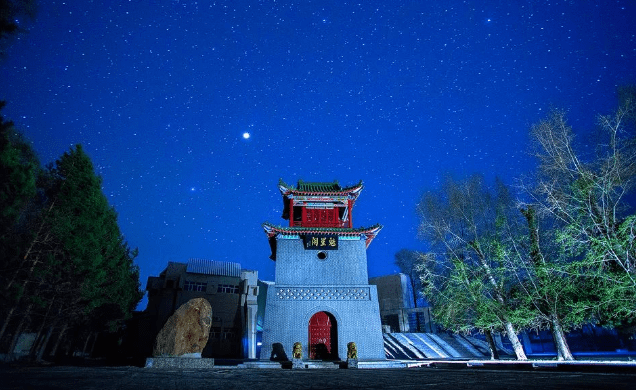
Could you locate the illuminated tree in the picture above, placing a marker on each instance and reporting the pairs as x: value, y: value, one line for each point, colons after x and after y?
x: 461, y: 221
x: 585, y: 194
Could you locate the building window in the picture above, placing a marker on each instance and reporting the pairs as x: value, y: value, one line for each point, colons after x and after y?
x: 228, y: 335
x: 194, y: 286
x: 228, y: 289
x: 215, y: 333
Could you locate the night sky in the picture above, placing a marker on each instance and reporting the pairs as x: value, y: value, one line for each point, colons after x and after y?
x: 394, y: 93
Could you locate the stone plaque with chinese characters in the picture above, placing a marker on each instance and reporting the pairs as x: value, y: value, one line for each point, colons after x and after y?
x: 321, y: 242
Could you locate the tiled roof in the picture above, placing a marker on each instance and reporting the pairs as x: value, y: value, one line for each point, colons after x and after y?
x: 366, y: 234
x: 318, y: 188
x: 211, y: 267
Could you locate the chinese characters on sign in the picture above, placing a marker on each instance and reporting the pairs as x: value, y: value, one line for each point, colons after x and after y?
x: 321, y: 242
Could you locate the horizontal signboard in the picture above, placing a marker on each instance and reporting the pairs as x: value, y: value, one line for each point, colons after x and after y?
x: 315, y: 241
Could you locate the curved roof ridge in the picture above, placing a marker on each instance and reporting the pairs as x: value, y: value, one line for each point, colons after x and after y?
x: 273, y: 228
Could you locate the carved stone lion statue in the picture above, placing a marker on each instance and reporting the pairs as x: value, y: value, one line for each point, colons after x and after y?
x: 297, y: 351
x: 352, y: 350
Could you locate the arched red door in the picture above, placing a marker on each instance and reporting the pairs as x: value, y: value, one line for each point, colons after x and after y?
x: 323, y: 334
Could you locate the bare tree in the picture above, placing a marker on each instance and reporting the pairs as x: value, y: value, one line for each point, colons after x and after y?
x: 586, y: 196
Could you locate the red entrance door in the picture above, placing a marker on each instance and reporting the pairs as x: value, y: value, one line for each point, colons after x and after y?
x: 322, y: 336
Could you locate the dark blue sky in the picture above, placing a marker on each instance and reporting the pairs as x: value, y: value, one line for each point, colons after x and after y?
x: 159, y: 93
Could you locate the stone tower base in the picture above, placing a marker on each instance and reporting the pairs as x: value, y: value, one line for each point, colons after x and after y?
x: 355, y: 309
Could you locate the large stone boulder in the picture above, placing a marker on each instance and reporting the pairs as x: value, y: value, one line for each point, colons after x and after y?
x: 186, y: 332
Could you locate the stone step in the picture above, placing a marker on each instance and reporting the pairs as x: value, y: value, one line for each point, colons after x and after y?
x: 179, y: 362
x: 433, y: 346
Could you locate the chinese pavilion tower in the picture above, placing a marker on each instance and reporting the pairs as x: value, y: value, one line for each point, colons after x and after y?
x: 321, y: 296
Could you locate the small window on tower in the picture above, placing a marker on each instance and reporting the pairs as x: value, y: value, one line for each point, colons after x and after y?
x: 322, y: 255
x: 341, y: 213
x: 298, y: 213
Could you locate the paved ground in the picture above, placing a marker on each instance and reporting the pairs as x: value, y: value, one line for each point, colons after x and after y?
x: 80, y: 378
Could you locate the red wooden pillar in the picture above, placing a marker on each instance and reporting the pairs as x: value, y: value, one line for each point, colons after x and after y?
x: 350, y: 203
x: 291, y: 212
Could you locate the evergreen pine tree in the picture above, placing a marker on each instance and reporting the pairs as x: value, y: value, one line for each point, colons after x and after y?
x: 77, y: 272
x: 19, y: 167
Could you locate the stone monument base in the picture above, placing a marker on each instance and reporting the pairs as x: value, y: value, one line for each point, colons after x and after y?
x: 352, y: 363
x: 297, y: 364
x: 179, y: 362
x: 261, y: 364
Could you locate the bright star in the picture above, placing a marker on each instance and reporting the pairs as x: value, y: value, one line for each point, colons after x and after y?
x: 246, y: 135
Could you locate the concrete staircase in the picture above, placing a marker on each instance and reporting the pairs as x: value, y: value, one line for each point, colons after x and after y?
x: 434, y: 346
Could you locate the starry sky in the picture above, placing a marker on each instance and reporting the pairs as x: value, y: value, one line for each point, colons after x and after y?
x: 160, y: 94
